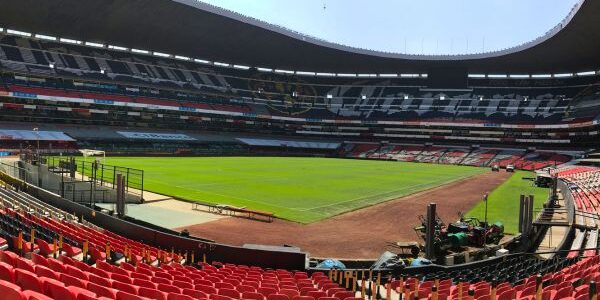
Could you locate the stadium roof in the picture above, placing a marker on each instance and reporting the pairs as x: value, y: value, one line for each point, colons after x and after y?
x: 194, y: 29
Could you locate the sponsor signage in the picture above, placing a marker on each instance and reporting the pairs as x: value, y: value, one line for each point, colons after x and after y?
x: 101, y: 101
x: 156, y: 136
x: 24, y: 95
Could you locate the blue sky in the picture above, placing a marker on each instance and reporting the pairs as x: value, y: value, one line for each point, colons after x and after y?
x: 416, y: 26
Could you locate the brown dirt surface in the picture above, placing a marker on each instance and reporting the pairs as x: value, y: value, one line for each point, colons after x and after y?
x: 361, y: 234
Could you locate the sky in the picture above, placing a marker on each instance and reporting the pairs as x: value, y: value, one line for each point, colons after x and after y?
x: 412, y: 27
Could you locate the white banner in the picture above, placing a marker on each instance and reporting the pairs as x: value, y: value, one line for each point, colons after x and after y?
x: 31, y: 135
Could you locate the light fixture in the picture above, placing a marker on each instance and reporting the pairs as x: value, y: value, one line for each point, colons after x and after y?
x: 363, y: 97
x: 329, y: 96
x: 51, y: 65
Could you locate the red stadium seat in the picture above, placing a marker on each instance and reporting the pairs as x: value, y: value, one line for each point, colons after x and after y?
x: 317, y: 294
x: 56, y: 265
x: 289, y: 293
x: 39, y: 260
x: 31, y: 295
x: 126, y: 296
x: 71, y: 251
x: 120, y: 278
x: 45, y: 248
x: 179, y: 297
x: 219, y: 297
x: 69, y: 280
x: 303, y: 298
x: 9, y: 258
x: 253, y: 296
x: 136, y: 275
x: 182, y: 278
x: 45, y: 272
x: 224, y: 285
x: 125, y: 287
x: 327, y: 298
x: 101, y: 273
x: 144, y: 283
x: 145, y: 271
x: 77, y: 273
x: 127, y: 266
x: 163, y: 275
x: 97, y: 255
x: 182, y: 284
x: 304, y: 291
x: 121, y: 271
x: 233, y: 282
x: 195, y: 294
x: 80, y: 293
x: 81, y: 266
x: 102, y: 290
x: 229, y: 293
x: 332, y: 291
x: 245, y: 288
x: 25, y: 264
x: 347, y: 294
x: 167, y: 288
x: 212, y: 278
x: 6, y: 272
x: 152, y: 293
x: 204, y: 282
x: 28, y: 281
x: 266, y: 291
x: 158, y: 280
x: 254, y: 284
x: 103, y: 281
x: 206, y: 289
x: 57, y: 290
x: 10, y: 291
x: 278, y: 297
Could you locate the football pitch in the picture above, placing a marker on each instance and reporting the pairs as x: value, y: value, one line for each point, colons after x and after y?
x: 303, y: 190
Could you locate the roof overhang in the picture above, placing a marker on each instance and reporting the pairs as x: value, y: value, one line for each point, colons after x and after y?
x: 194, y: 29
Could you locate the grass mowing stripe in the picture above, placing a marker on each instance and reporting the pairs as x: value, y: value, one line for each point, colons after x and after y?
x: 394, y: 193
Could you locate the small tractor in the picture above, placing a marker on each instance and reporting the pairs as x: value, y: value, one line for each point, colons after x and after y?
x: 479, y: 233
x: 465, y: 232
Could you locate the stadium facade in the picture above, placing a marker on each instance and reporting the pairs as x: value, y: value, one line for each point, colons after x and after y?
x: 540, y: 95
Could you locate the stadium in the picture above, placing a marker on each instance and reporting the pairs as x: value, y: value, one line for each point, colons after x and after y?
x: 205, y: 154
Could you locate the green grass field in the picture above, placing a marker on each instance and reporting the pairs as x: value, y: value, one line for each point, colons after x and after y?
x: 298, y: 189
x: 503, y: 202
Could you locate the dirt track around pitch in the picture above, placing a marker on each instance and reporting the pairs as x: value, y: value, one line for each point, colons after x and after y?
x: 361, y: 234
